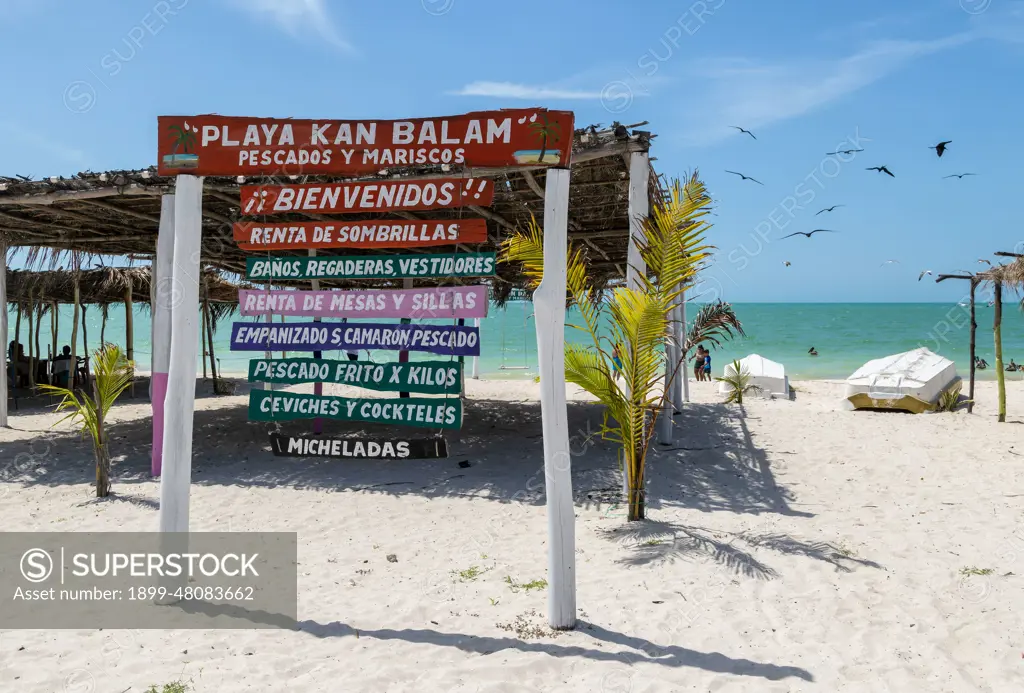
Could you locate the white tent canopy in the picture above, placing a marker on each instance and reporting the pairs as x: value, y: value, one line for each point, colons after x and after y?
x: 912, y: 380
x: 765, y: 374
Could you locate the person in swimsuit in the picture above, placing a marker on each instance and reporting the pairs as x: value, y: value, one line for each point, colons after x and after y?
x: 707, y: 365
x: 616, y: 362
x: 698, y: 364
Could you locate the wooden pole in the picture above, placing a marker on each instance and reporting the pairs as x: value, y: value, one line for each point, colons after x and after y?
x: 204, y: 347
x: 54, y: 320
x: 997, y: 330
x: 104, y: 313
x: 17, y: 338
x: 403, y: 356
x: 85, y: 344
x: 39, y: 322
x: 176, y: 475
x: 74, y: 332
x: 476, y: 359
x: 974, y: 330
x: 208, y: 318
x: 31, y: 353
x: 549, y: 306
x: 129, y: 333
x: 3, y: 331
x: 318, y: 388
x: 639, y: 209
x: 163, y: 300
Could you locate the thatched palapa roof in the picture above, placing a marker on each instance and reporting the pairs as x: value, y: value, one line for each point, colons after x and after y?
x: 101, y: 286
x: 117, y: 212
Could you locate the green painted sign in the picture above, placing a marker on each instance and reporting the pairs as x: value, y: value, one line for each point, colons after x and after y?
x: 372, y: 266
x: 424, y: 412
x: 426, y: 377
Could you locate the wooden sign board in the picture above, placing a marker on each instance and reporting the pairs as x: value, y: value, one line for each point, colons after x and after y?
x: 372, y: 266
x: 423, y: 412
x: 425, y: 377
x: 438, y: 302
x: 380, y: 233
x: 448, y: 340
x: 366, y: 196
x: 359, y: 448
x: 215, y: 145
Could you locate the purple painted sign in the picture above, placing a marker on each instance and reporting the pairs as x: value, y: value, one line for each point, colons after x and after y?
x: 432, y: 302
x: 317, y: 336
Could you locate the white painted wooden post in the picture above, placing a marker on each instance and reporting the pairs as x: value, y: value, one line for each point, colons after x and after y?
x: 476, y: 359
x: 639, y: 208
x: 668, y: 407
x: 162, y: 296
x: 681, y: 336
x: 3, y: 332
x: 176, y: 478
x: 549, y: 306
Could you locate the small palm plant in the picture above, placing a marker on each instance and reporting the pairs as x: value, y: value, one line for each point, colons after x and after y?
x: 949, y: 400
x: 737, y: 380
x: 113, y: 375
x: 638, y: 322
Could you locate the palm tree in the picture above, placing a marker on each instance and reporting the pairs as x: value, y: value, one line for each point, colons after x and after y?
x: 672, y: 244
x: 738, y: 381
x: 113, y: 376
x: 544, y: 130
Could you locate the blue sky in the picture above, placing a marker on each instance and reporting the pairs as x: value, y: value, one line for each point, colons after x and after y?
x: 85, y: 82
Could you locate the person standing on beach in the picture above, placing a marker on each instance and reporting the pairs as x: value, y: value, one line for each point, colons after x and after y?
x: 707, y: 365
x: 698, y: 363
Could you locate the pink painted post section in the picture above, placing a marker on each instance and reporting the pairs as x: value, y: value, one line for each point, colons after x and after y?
x: 159, y: 384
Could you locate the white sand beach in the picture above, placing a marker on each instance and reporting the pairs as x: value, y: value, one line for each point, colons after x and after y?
x: 790, y: 546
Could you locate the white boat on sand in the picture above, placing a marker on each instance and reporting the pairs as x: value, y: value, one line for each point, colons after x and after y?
x: 912, y: 381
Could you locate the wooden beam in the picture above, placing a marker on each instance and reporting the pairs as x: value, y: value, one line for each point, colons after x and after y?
x: 122, y: 210
x: 66, y: 195
x: 496, y: 218
x: 534, y: 185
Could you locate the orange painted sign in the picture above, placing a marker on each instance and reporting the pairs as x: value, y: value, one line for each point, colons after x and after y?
x: 378, y: 233
x: 213, y: 145
x: 366, y: 196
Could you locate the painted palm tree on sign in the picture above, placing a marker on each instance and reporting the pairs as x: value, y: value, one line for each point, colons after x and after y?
x: 184, y: 139
x: 545, y: 130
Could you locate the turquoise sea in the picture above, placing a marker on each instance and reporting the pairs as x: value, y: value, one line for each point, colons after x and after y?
x: 845, y: 335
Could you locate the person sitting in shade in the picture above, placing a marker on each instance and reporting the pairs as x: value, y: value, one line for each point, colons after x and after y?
x: 19, y: 363
x: 62, y: 367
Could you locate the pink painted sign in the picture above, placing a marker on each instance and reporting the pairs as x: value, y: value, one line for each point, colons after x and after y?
x: 425, y: 303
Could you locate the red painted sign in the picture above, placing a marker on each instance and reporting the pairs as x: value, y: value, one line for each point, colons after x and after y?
x: 367, y: 196
x: 213, y: 145
x: 378, y: 233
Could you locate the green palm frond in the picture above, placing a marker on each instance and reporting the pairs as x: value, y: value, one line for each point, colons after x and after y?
x: 715, y: 323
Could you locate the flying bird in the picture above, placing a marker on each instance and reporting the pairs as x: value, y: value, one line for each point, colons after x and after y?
x: 829, y: 209
x: 921, y: 276
x: 737, y: 127
x: 940, y: 148
x: 843, y: 151
x: 787, y: 263
x: 959, y: 175
x: 809, y: 233
x: 980, y: 260
x: 880, y: 169
x: 890, y: 262
x: 735, y: 173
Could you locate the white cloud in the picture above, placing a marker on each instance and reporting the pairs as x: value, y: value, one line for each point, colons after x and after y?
x: 297, y: 17
x: 511, y: 90
x: 756, y: 95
